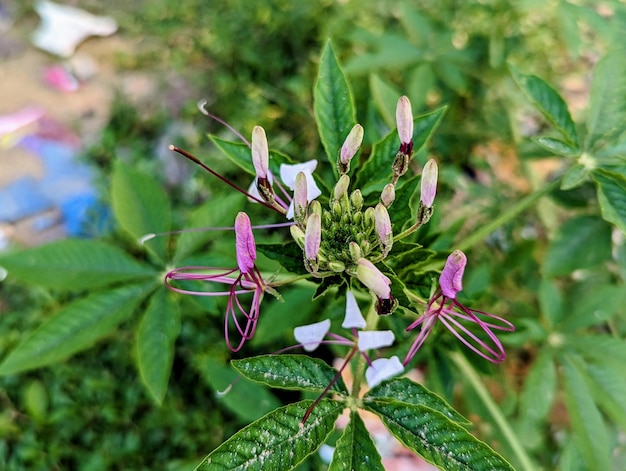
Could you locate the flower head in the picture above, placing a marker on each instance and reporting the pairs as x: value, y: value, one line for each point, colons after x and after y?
x: 404, y: 120
x: 378, y: 283
x: 245, y: 279
x: 349, y: 148
x: 428, y: 188
x: 444, y: 307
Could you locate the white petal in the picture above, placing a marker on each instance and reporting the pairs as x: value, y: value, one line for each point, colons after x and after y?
x: 326, y: 453
x: 310, y: 336
x: 312, y: 190
x: 353, y: 318
x: 290, y: 211
x: 288, y: 172
x: 382, y: 369
x: 373, y: 339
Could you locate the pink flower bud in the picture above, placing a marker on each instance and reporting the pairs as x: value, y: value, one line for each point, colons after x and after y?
x: 313, y: 236
x: 350, y: 147
x: 451, y: 279
x: 404, y: 120
x: 388, y: 195
x: 260, y: 152
x: 373, y: 278
x: 383, y: 228
x: 429, y: 183
x: 244, y: 243
x: 300, y: 198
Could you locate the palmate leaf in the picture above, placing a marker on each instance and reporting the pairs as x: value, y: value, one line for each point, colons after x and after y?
x: 156, y: 336
x: 247, y: 400
x: 296, y: 372
x: 74, y: 264
x: 588, y: 237
x: 406, y: 391
x: 549, y: 103
x: 606, y: 119
x: 75, y: 327
x: 612, y: 196
x: 141, y: 206
x: 333, y: 105
x: 436, y: 438
x: 277, y: 441
x: 540, y: 388
x: 589, y: 431
x: 355, y: 450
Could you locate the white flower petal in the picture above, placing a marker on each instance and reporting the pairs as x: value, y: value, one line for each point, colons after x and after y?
x: 353, y: 318
x: 310, y: 336
x: 382, y: 369
x: 288, y: 172
x: 373, y: 339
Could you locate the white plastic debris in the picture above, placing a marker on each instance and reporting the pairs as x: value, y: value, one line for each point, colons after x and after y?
x: 63, y: 27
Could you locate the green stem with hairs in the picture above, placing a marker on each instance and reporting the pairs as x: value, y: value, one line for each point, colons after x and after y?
x: 508, y: 215
x: 359, y: 373
x: 470, y: 374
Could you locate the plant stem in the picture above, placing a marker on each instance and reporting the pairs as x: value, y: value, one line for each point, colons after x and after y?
x: 359, y: 373
x: 470, y: 374
x: 508, y: 215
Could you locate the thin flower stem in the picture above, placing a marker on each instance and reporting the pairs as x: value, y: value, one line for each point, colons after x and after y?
x: 359, y: 373
x: 508, y: 215
x: 468, y: 372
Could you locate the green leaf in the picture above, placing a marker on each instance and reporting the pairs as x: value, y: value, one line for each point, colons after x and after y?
x: 581, y: 242
x: 222, y: 377
x: 385, y: 97
x: 609, y: 388
x: 551, y: 301
x: 549, y: 103
x: 592, y: 304
x: 540, y: 388
x: 556, y: 146
x: 297, y: 372
x: 598, y: 348
x: 75, y: 327
x: 355, y: 449
x: 241, y: 155
x: 277, y: 441
x: 606, y: 118
x: 289, y: 255
x: 589, y: 431
x: 156, y: 336
x: 74, y: 264
x: 574, y: 177
x: 406, y: 391
x: 402, y: 212
x: 216, y: 212
x: 436, y: 438
x: 333, y: 105
x: 140, y: 206
x: 612, y: 196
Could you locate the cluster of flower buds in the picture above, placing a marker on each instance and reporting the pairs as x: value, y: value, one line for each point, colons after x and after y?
x: 348, y: 237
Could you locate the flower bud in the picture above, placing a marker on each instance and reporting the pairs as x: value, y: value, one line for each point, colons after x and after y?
x: 451, y: 278
x: 244, y: 243
x: 260, y: 152
x: 388, y: 195
x: 298, y: 235
x: 404, y: 120
x: 355, y: 251
x: 315, y: 207
x: 313, y: 236
x: 300, y: 198
x: 369, y: 218
x: 341, y: 188
x: 349, y: 148
x: 337, y: 266
x: 429, y: 183
x: 373, y: 279
x: 356, y: 198
x: 383, y: 228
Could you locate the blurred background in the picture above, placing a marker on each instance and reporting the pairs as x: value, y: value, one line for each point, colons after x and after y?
x: 128, y: 87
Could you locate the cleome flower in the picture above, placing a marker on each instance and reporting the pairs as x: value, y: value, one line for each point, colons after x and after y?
x: 444, y: 307
x: 244, y: 279
x: 311, y: 336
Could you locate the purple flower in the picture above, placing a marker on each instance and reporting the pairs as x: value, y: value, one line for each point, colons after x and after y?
x: 245, y: 279
x: 443, y: 306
